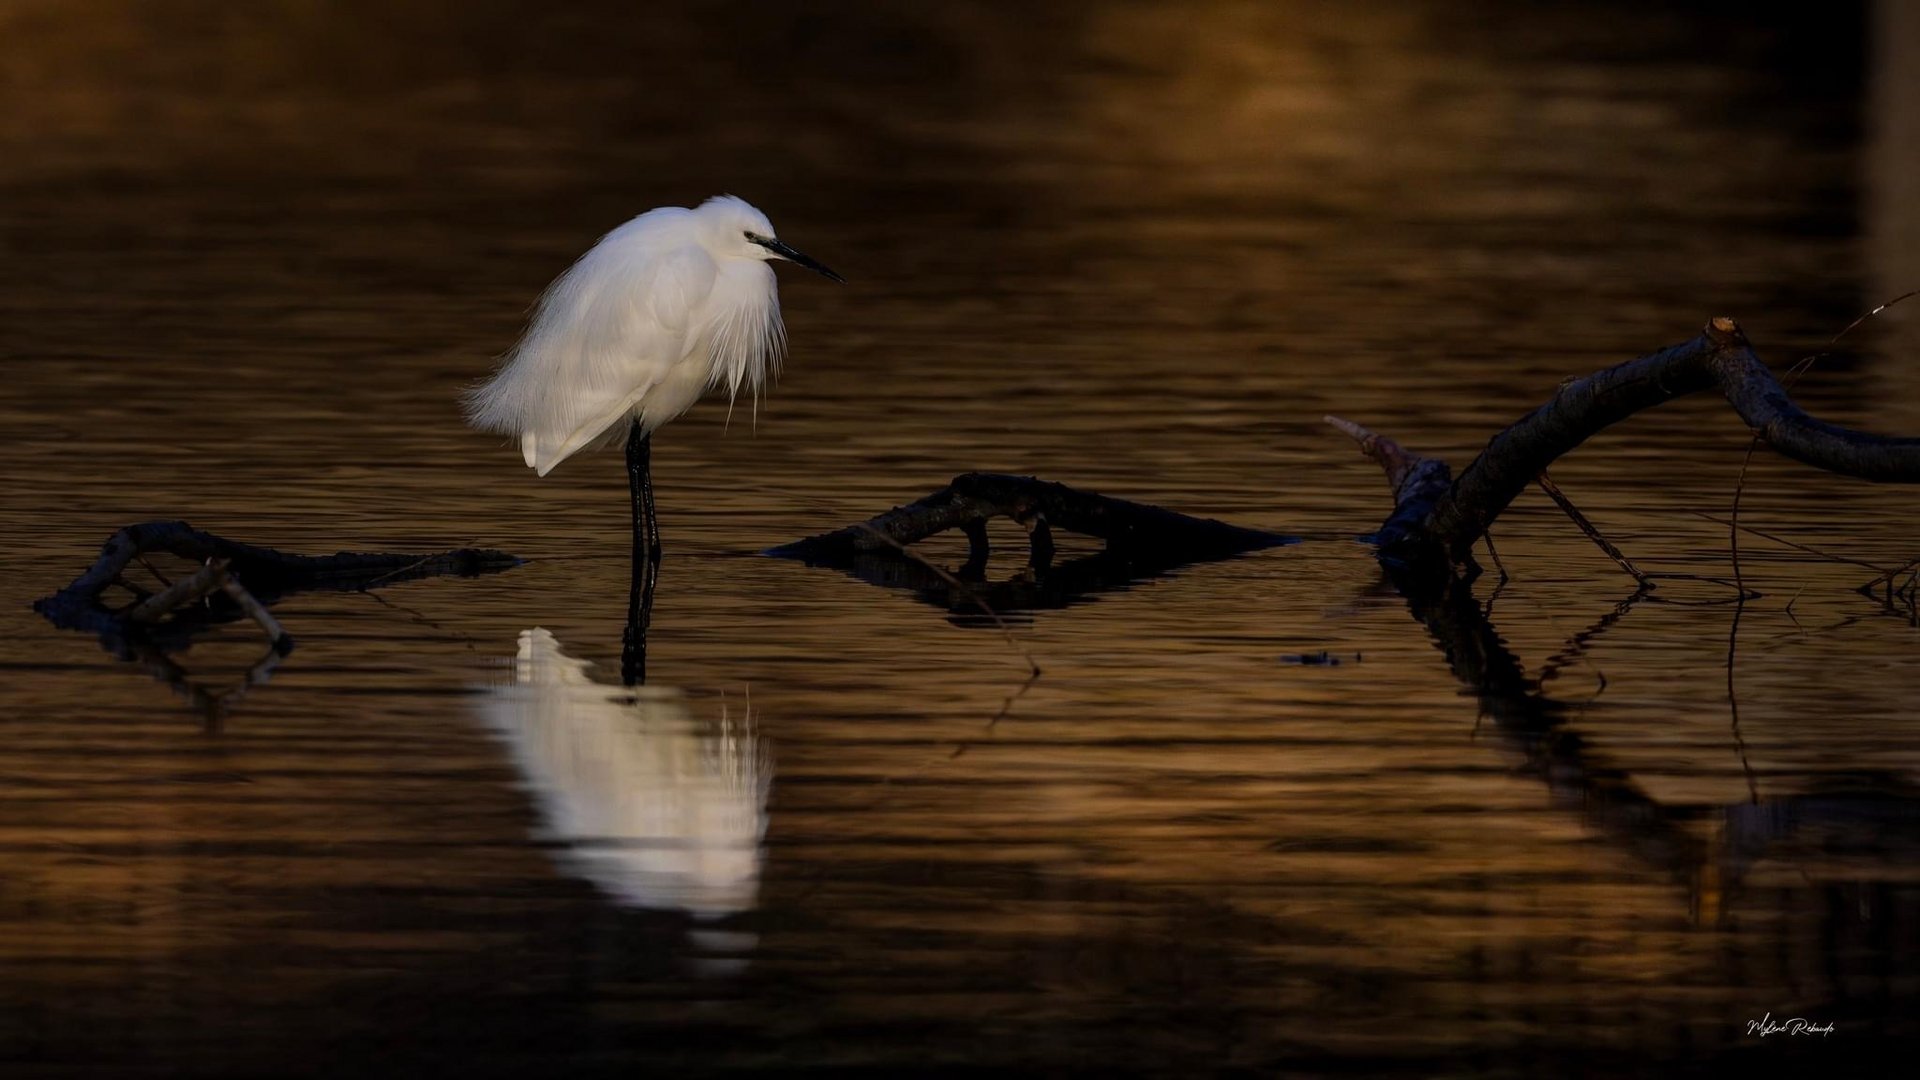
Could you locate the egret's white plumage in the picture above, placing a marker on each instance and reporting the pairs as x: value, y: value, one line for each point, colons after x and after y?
x: 664, y: 308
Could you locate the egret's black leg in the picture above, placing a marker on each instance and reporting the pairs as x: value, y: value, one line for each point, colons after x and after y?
x: 653, y: 519
x: 646, y: 557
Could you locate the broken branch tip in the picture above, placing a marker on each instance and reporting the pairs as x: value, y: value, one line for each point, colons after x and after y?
x: 1723, y: 330
x: 1352, y: 430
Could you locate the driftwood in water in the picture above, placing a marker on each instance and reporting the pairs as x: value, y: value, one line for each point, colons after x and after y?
x: 264, y: 572
x: 1706, y: 848
x: 970, y: 599
x: 1141, y: 542
x: 1436, y: 519
x: 1136, y: 529
x: 1434, y: 515
x: 243, y: 578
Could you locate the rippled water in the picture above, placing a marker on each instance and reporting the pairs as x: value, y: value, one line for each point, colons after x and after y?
x: 253, y: 252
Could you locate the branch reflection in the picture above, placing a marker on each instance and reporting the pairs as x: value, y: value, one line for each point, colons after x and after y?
x: 1707, y: 849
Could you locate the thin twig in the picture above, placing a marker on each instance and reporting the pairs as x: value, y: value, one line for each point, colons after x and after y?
x: 1753, y: 445
x: 215, y: 575
x: 183, y: 592
x: 1486, y: 609
x: 397, y: 571
x: 257, y: 675
x: 1783, y: 541
x: 1494, y: 555
x: 1033, y: 668
x: 256, y: 611
x: 1566, y: 505
x: 1888, y: 576
x: 138, y: 594
x: 415, y: 615
x: 142, y: 560
x: 1849, y: 328
x: 1733, y: 522
x: 1793, y: 376
x: 1733, y: 702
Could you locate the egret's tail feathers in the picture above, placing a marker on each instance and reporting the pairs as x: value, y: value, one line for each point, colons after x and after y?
x: 542, y: 451
x: 542, y: 454
x: 545, y: 441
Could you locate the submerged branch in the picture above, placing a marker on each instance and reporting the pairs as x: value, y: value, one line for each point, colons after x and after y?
x: 1039, y: 506
x: 146, y: 630
x: 265, y: 571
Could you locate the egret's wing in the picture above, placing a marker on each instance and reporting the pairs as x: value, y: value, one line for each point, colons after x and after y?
x: 607, y: 331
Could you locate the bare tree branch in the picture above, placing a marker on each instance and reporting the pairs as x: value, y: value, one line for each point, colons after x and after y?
x: 1719, y: 358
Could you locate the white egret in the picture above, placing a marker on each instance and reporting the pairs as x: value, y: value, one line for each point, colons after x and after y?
x: 664, y: 308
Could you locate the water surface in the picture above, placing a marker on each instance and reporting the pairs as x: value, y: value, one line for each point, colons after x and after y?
x: 253, y: 253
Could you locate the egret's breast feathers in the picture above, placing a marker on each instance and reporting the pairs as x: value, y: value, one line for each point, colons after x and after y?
x: 616, y: 330
x: 744, y: 337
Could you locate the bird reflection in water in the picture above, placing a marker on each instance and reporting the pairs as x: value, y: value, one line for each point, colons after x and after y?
x: 656, y: 808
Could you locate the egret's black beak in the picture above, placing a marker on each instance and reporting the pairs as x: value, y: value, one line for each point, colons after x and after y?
x: 798, y: 258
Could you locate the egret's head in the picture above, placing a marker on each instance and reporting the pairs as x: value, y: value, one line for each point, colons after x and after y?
x: 735, y: 228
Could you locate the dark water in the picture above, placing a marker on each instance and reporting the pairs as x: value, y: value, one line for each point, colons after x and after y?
x: 253, y: 252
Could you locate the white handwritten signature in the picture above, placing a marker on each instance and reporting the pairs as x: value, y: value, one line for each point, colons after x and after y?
x: 1766, y: 1026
